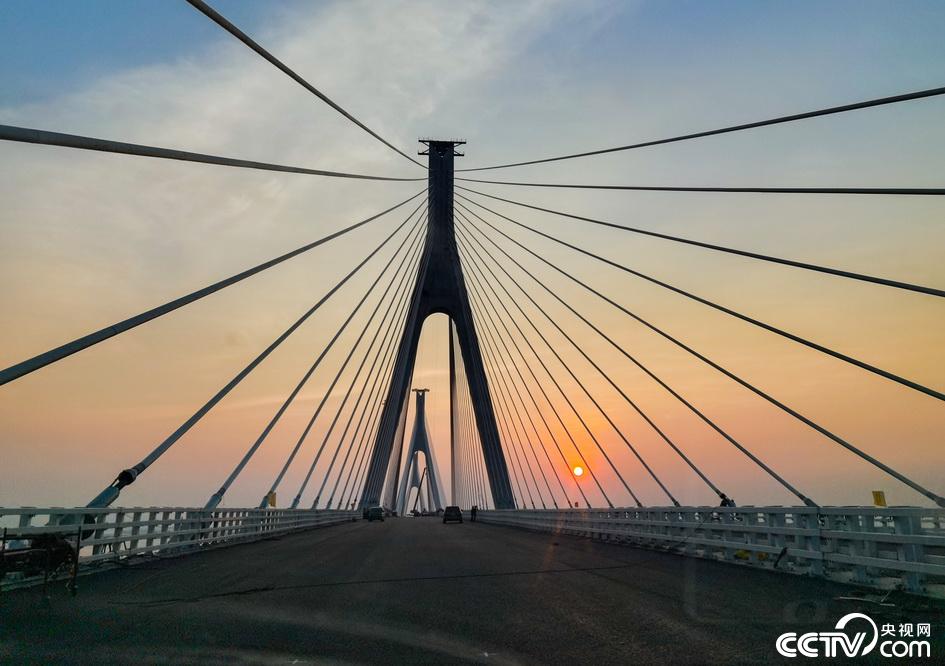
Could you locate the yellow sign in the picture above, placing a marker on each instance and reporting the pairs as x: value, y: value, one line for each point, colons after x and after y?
x: 879, y: 498
x: 271, y: 499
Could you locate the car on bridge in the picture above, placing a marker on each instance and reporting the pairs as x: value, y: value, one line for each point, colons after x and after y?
x: 375, y: 513
x: 452, y: 515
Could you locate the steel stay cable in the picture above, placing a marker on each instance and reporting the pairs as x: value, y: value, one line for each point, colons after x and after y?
x: 455, y: 391
x: 360, y: 475
x: 471, y: 442
x: 355, y: 471
x: 505, y: 414
x: 551, y: 348
x: 298, y: 496
x: 455, y: 453
x: 372, y: 404
x: 456, y: 464
x: 502, y: 391
x: 806, y: 500
x: 780, y: 405
x: 463, y: 445
x: 507, y: 399
x: 518, y: 465
x: 462, y: 431
x: 490, y: 326
x: 319, y: 408
x: 344, y: 432
x: 525, y: 437
x: 544, y: 421
x: 217, y: 497
x: 479, y: 463
x: 475, y: 446
x: 522, y: 379
x: 597, y: 367
x: 362, y: 485
x: 318, y: 360
x: 506, y: 379
x: 477, y: 467
x: 355, y: 479
x: 464, y: 465
x: 620, y: 349
x: 906, y: 191
x: 387, y: 431
x: 573, y: 375
x: 531, y: 421
x: 128, y: 476
x: 721, y: 248
x: 469, y: 433
x: 321, y: 404
x: 383, y: 350
x: 393, y: 312
x: 224, y: 23
x: 483, y: 492
x: 563, y: 394
x: 367, y: 352
x: 466, y: 468
x: 535, y: 429
x: 58, y: 353
x: 476, y: 474
x: 76, y: 141
x: 480, y: 469
x: 721, y: 308
x: 514, y: 458
x: 541, y: 444
x: 931, y: 92
x: 359, y: 480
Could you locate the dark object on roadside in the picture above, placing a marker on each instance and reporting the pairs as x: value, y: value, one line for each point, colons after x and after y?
x: 375, y: 513
x: 48, y: 554
x: 452, y: 515
x: 45, y: 553
x: 726, y: 500
x: 472, y: 513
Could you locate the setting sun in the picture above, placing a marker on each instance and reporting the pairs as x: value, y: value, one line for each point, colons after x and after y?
x: 578, y: 471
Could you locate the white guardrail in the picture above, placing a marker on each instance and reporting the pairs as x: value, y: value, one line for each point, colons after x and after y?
x: 128, y: 535
x: 887, y: 548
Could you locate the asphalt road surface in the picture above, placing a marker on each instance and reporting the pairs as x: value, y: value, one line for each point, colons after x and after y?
x: 417, y: 591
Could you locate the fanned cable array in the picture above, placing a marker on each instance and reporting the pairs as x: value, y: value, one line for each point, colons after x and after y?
x: 537, y: 407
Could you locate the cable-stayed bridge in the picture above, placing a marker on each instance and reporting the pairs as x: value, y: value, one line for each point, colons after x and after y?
x: 533, y: 444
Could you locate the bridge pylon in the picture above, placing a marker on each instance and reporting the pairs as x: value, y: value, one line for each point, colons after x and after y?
x: 411, y: 478
x: 440, y: 288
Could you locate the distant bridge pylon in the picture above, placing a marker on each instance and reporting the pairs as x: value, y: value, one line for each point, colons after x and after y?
x: 411, y: 478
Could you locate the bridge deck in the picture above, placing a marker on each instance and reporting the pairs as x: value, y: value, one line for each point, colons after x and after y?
x: 418, y: 590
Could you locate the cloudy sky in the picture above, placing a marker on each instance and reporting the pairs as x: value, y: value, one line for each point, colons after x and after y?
x: 88, y: 239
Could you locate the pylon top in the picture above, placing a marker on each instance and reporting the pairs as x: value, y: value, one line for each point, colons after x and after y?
x: 452, y: 142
